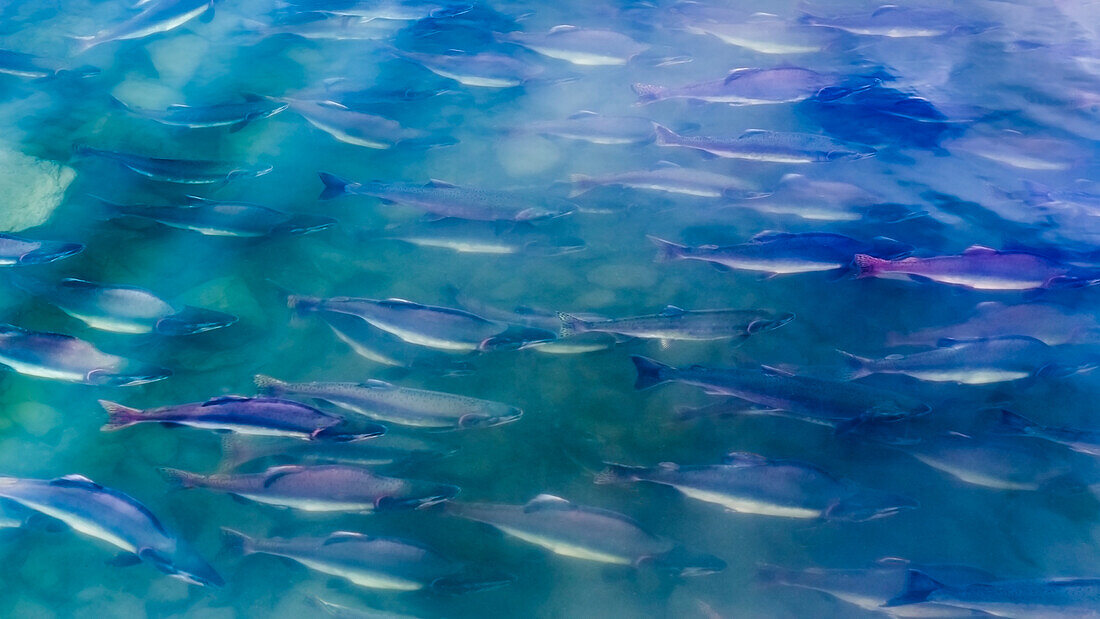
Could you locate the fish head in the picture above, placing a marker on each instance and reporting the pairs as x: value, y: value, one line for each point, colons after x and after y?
x: 866, y: 504
x: 190, y: 320
x: 516, y: 337
x: 682, y: 562
x: 184, y: 564
x: 49, y: 251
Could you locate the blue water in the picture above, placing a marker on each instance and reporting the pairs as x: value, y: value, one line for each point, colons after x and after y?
x: 1035, y: 73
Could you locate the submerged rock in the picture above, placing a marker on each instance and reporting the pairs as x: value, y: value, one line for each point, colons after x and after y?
x: 32, y: 189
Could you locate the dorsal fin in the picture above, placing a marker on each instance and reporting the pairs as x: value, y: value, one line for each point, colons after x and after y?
x: 748, y: 132
x: 439, y: 184
x: 83, y: 284
x: 582, y: 114
x: 743, y: 458
x: 978, y: 250
x: 374, y: 383
x: 279, y: 472
x: 793, y: 177
x: 195, y: 200
x: 74, y: 481
x: 886, y: 8
x: 332, y: 105
x: 768, y: 235
x: 774, y: 371
x: 178, y: 106
x: 562, y: 28
x: 398, y: 303
x: 672, y: 310
x: 224, y: 399
x: 547, y: 502
x: 663, y: 165
x: 340, y: 537
x: 739, y: 73
x: 668, y: 466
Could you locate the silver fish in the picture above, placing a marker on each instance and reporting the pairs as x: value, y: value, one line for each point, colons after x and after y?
x: 1047, y: 322
x: 352, y: 127
x: 764, y: 33
x: 157, y: 16
x: 182, y: 171
x: 66, y: 358
x: 240, y: 450
x: 115, y: 518
x: 580, y: 46
x: 483, y: 70
x: 752, y: 86
x: 770, y: 146
x: 35, y: 67
x: 587, y: 126
x: 674, y: 323
x: 479, y: 237
x: 1025, y: 152
x: 1079, y: 440
x: 19, y: 251
x: 215, y: 218
x: 405, y: 406
x: 669, y: 178
x: 893, y: 21
x: 1000, y: 463
x: 1057, y: 597
x: 236, y: 116
x: 830, y: 201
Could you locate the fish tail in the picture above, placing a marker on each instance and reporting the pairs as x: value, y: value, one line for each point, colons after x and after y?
x: 464, y: 583
x: 761, y: 326
x: 81, y: 149
x: 918, y: 586
x: 648, y: 93
x: 237, y: 542
x: 1011, y: 423
x: 303, y: 305
x: 119, y: 416
x: 582, y: 183
x: 773, y: 575
x: 650, y: 373
x: 665, y: 136
x: 570, y: 325
x: 867, y: 266
x: 180, y: 480
x: 269, y: 385
x: 235, y: 452
x: 667, y: 250
x: 617, y: 474
x: 854, y: 366
x: 334, y: 186
x: 83, y: 43
x: 120, y: 104
x: 49, y: 252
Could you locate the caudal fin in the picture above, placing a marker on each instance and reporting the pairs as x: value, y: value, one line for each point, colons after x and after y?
x: 617, y: 474
x: 1011, y: 423
x: 650, y: 373
x: 268, y: 385
x: 570, y: 325
x: 181, y: 480
x: 867, y: 266
x: 468, y: 583
x: 119, y: 416
x: 582, y: 183
x: 665, y: 136
x: 334, y: 186
x: 854, y: 367
x: 667, y: 250
x: 648, y: 93
x: 918, y: 586
x: 236, y: 541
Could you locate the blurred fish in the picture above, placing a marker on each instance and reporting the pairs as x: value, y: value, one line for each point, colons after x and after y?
x: 183, y: 171
x: 771, y: 146
x: 115, y: 518
x: 674, y: 323
x: 1047, y: 322
x: 479, y: 237
x: 1025, y: 152
x: 845, y: 406
x: 443, y: 199
x: 764, y: 33
x: 980, y: 268
x: 780, y: 253
x: 214, y: 218
x: 321, y: 488
x: 236, y: 116
x: 580, y: 46
x: 588, y: 533
x: 751, y: 484
x: 1000, y: 463
x: 1058, y: 597
x: 442, y: 328
x: 357, y: 128
x: 1081, y: 441
x: 157, y: 16
x: 392, y: 10
x: 976, y: 362
x: 405, y: 406
x: 1081, y: 197
x: 124, y: 309
x: 19, y: 251
x: 66, y: 358
x: 587, y: 126
x: 893, y: 21
x: 321, y: 26
x: 373, y: 562
x: 239, y: 450
x: 755, y: 86
x: 346, y: 612
x: 36, y: 67
x: 241, y: 415
x: 670, y: 178
x: 483, y: 70
x: 830, y: 201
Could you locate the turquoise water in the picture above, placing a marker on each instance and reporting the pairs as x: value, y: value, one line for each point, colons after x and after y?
x: 580, y: 410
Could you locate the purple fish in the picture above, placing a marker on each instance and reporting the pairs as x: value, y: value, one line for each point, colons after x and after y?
x: 18, y: 251
x: 981, y: 268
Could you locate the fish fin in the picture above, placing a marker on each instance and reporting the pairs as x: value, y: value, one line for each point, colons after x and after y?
x: 748, y: 132
x: 180, y: 480
x: 1011, y: 423
x: 667, y: 250
x: 867, y: 266
x: 672, y: 310
x: 739, y: 73
x: 617, y: 474
x: 884, y: 9
x: 438, y: 184
x: 850, y: 425
x: 459, y: 584
x: 223, y: 399
x: 236, y: 541
x: 647, y: 93
x: 74, y: 481
x: 237, y: 126
x: 582, y: 183
x: 545, y: 502
x: 582, y: 114
x: 279, y: 472
x: 191, y: 200
x: 124, y: 559
x: 918, y: 586
x: 334, y: 186
x: 562, y: 28
x: 570, y: 325
x: 978, y: 250
x: 119, y: 416
x: 743, y: 458
x: 267, y: 384
x: 855, y: 366
x: 374, y: 383
x: 650, y: 373
x: 208, y: 15
x: 772, y: 370
x: 339, y: 537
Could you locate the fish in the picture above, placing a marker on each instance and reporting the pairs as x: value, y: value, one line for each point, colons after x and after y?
x: 1055, y: 597
x: 441, y: 328
x: 391, y: 10
x: 442, y: 199
x: 749, y: 483
x: 769, y: 146
x: 346, y: 612
x: 586, y: 47
x: 357, y: 128
x: 372, y: 562
x: 239, y: 450
x: 900, y: 22
x: 386, y: 402
x: 1025, y: 152
x: 782, y: 253
x: 236, y: 115
x: 65, y: 358
x: 113, y: 517
x: 217, y: 218
x: 157, y: 16
x: 180, y: 171
x: 587, y: 533
x: 1076, y: 439
x: 871, y: 587
x: 1049, y: 323
x: 669, y: 178
x: 997, y: 462
x: 974, y: 362
x: 755, y: 86
x: 588, y: 126
x: 674, y: 323
x: 487, y: 238
x: 321, y: 26
x: 829, y: 201
x: 124, y: 309
x: 764, y: 33
x: 243, y: 415
x: 980, y: 268
x: 30, y: 66
x: 321, y: 488
x: 481, y: 70
x: 19, y: 251
x: 845, y: 406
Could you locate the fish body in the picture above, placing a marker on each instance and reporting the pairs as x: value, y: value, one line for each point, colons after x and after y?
x: 1046, y: 322
x: 405, y: 406
x: 232, y: 219
x: 241, y: 415
x: 66, y: 358
x: 488, y: 238
x: 236, y: 115
x: 115, y: 518
x: 482, y: 70
x: 763, y: 33
x: 980, y: 268
x: 180, y: 171
x: 353, y: 127
x: 1077, y: 439
x: 580, y: 46
x: 674, y: 323
x: 779, y: 253
x: 321, y: 488
x: 668, y: 178
x: 827, y: 201
x: 239, y: 450
x: 751, y: 484
x: 746, y: 86
x: 19, y: 251
x: 443, y: 199
x: 999, y: 463
x: 596, y: 128
x: 35, y: 67
x: 157, y: 16
x: 900, y: 22
x: 1016, y: 150
x: 125, y: 309
x: 1056, y: 597
x: 770, y: 146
